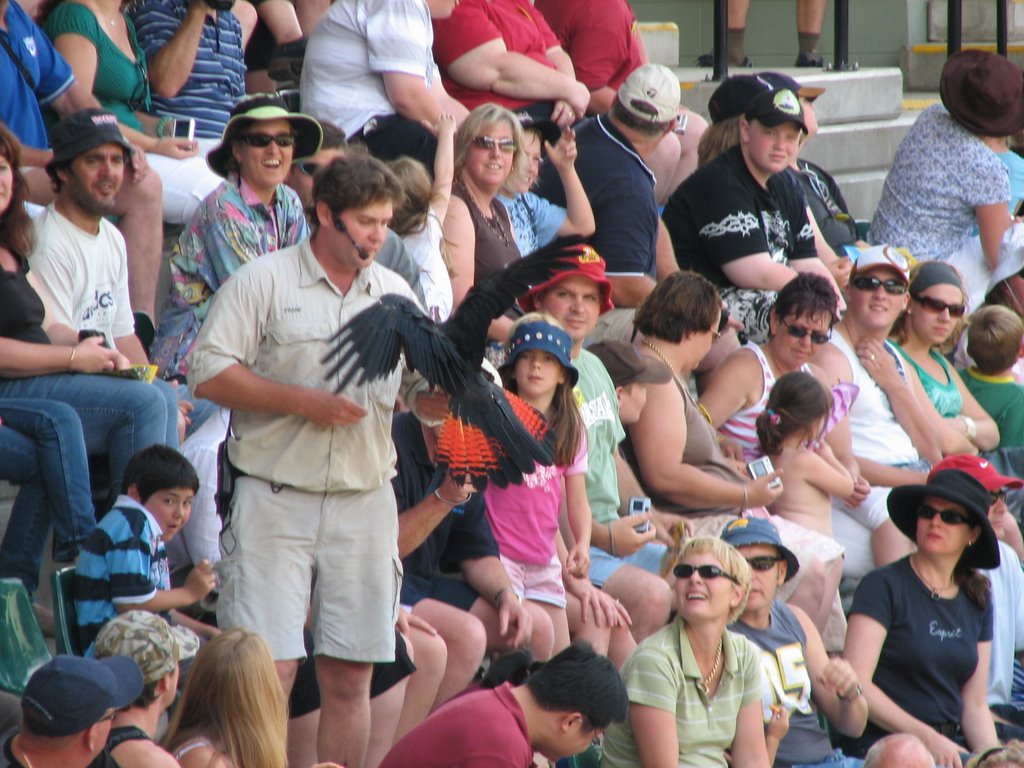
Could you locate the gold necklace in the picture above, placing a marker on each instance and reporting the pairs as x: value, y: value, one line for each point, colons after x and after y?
x: 705, y: 682
x: 936, y: 593
x: 664, y: 359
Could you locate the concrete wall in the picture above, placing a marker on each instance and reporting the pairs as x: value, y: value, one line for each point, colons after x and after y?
x: 878, y: 29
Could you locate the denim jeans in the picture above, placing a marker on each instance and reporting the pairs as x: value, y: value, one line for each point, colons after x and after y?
x: 43, y: 450
x: 119, y: 417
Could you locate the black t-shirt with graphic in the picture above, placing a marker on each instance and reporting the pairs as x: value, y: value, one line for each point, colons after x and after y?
x: 720, y: 214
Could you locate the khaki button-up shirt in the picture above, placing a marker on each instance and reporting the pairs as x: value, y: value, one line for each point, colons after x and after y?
x: 276, y: 317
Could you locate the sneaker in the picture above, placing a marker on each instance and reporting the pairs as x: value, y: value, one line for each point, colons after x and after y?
x: 810, y: 59
x: 708, y: 60
x: 286, y: 64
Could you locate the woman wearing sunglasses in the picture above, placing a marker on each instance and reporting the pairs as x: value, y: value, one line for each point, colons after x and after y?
x: 929, y: 327
x: 674, y: 449
x: 695, y: 688
x: 251, y: 213
x: 798, y: 679
x: 920, y: 631
x: 488, y: 149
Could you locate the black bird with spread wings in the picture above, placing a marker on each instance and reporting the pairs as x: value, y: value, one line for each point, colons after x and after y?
x: 489, y: 435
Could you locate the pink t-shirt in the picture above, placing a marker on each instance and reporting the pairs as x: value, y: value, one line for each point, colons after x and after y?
x: 524, y: 518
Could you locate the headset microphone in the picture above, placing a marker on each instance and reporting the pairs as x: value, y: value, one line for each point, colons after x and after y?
x: 340, y: 226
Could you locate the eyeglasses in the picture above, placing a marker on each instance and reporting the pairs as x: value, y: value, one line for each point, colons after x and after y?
x: 685, y: 571
x: 263, y: 139
x: 998, y: 496
x: 308, y: 167
x: 938, y: 307
x: 892, y: 286
x: 109, y: 716
x: 799, y: 332
x: 506, y: 146
x: 948, y: 516
x: 764, y: 562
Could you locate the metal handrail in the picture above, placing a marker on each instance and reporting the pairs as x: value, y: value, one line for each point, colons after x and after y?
x: 954, y: 26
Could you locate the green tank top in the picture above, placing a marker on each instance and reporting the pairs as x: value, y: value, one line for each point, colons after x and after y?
x: 945, y: 396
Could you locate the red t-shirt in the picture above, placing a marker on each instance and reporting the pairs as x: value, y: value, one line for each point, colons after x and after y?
x: 475, y: 22
x: 483, y: 729
x: 600, y: 37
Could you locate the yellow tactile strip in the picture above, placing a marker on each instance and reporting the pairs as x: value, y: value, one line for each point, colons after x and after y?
x: 913, y: 105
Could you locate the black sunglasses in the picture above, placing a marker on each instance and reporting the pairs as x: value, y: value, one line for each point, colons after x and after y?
x: 799, y: 332
x: 308, y: 167
x: 948, y: 516
x: 938, y: 307
x: 892, y: 286
x: 723, y: 321
x: 507, y: 146
x: 998, y: 496
x: 263, y: 139
x: 685, y: 571
x: 764, y: 562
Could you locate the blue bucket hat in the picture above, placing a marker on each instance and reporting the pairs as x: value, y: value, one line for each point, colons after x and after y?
x: 744, y: 531
x: 547, y: 338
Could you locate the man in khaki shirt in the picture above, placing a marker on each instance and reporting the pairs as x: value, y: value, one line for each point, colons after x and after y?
x: 316, y: 496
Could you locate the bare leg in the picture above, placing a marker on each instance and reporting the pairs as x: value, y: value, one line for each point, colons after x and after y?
x: 466, y: 639
x: 431, y: 656
x: 302, y: 739
x: 345, y: 711
x: 614, y: 642
x: 888, y: 545
x: 647, y: 598
x: 245, y: 12
x: 140, y: 205
x: 385, y: 712
x: 559, y: 622
x: 810, y: 16
x: 286, y: 671
x: 819, y: 583
x: 280, y: 18
x: 309, y: 13
x: 541, y: 641
x: 675, y: 157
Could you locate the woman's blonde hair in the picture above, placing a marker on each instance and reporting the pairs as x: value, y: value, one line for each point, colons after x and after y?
x: 731, y: 560
x: 234, y: 698
x: 476, y: 124
x: 718, y: 138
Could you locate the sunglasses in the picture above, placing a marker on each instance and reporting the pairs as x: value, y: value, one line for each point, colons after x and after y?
x: 998, y: 496
x: 799, y: 332
x: 723, y: 321
x: 263, y: 139
x: 938, y: 307
x: 506, y: 146
x: 308, y: 167
x: 948, y: 516
x: 892, y: 286
x: 764, y: 562
x: 685, y: 571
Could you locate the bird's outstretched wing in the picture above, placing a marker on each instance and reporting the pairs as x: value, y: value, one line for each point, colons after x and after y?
x: 492, y: 436
x: 371, y: 343
x: 489, y: 298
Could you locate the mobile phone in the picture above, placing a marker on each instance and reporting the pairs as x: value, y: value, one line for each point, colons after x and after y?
x: 681, y: 122
x: 183, y: 128
x: 761, y: 467
x: 640, y: 505
x: 88, y: 333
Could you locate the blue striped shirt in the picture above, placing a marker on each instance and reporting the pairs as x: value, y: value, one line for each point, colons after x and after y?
x: 217, y: 80
x: 123, y: 562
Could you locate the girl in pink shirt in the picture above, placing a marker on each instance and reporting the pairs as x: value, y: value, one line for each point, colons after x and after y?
x: 525, y: 518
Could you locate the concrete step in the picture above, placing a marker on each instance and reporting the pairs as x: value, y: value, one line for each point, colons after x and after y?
x: 858, y: 147
x: 862, y: 191
x: 922, y: 64
x: 850, y: 97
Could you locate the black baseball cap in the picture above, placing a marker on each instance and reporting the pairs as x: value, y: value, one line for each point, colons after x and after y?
x: 777, y: 107
x: 83, y: 130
